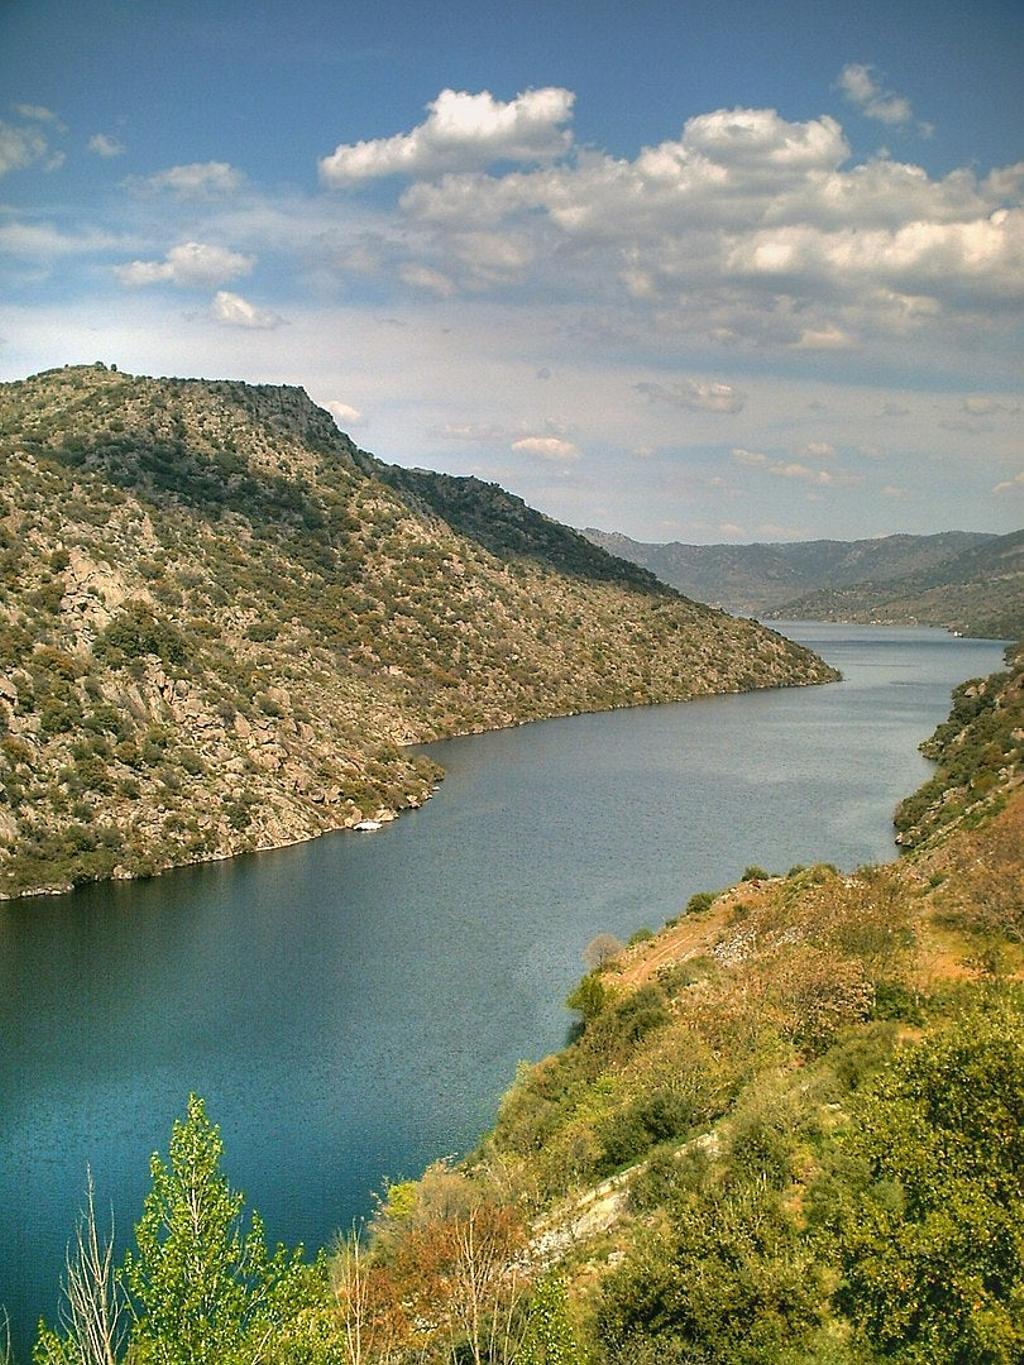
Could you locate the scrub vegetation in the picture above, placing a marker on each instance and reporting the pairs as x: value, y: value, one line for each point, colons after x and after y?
x: 790, y: 1129
x: 220, y: 623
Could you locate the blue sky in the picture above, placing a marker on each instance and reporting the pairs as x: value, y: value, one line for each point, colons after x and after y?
x: 698, y: 271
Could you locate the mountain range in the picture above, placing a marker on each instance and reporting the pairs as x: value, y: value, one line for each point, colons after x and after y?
x: 968, y: 581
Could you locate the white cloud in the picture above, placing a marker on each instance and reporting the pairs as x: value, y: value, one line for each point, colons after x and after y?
x: 234, y: 311
x: 196, y: 178
x: 106, y: 146
x: 424, y: 277
x: 188, y: 265
x: 20, y: 147
x: 343, y: 413
x: 757, y: 139
x: 1014, y: 485
x: 547, y: 447
x: 824, y: 339
x: 461, y: 132
x: 749, y: 229
x: 795, y: 469
x: 695, y: 395
x: 818, y: 450
x: 860, y: 87
x: 754, y: 459
x: 475, y: 432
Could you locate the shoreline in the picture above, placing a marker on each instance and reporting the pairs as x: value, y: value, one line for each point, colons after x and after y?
x: 388, y: 815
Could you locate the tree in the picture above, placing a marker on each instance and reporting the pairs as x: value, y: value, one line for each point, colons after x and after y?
x: 93, y: 1313
x: 549, y: 1338
x: 601, y: 950
x: 203, y: 1288
x: 589, y: 997
x: 931, y: 1239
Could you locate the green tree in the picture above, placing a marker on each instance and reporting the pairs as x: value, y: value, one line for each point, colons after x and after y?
x: 931, y: 1236
x: 203, y: 1287
x: 549, y: 1338
x: 589, y: 997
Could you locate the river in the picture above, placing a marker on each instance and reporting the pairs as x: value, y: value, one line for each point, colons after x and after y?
x: 353, y: 1007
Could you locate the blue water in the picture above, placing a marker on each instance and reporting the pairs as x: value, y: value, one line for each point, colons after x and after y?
x: 352, y: 1008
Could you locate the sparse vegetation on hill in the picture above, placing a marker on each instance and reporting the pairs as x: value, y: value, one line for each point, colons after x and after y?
x: 219, y: 621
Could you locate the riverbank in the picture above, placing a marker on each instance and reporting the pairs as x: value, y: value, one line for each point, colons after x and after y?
x: 320, y: 810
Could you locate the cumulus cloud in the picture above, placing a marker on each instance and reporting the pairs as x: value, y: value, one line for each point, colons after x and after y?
x: 461, y: 132
x: 343, y: 413
x: 749, y: 228
x: 818, y: 450
x: 20, y: 147
x: 196, y: 178
x: 234, y: 311
x: 188, y: 265
x: 695, y: 395
x: 104, y: 145
x: 860, y: 87
x: 1014, y: 485
x: 547, y: 448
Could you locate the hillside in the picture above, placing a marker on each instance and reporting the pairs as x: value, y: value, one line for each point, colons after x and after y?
x: 789, y: 1130
x: 755, y: 579
x: 219, y: 620
x: 978, y: 592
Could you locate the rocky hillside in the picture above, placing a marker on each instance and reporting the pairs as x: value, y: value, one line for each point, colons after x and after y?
x: 219, y: 620
x: 977, y: 592
x: 979, y: 756
x: 758, y: 579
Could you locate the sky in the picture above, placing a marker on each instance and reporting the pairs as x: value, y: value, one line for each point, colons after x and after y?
x: 698, y: 270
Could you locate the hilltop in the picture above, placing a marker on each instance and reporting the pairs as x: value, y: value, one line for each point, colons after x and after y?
x: 757, y: 579
x: 979, y: 591
x: 220, y: 621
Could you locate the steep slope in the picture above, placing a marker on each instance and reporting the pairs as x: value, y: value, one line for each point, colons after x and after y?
x: 788, y: 1128
x: 758, y: 578
x: 978, y: 592
x: 219, y: 619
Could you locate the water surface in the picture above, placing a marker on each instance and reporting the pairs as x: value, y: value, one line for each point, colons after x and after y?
x: 353, y: 1007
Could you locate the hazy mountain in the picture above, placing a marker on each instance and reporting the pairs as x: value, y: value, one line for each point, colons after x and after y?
x: 753, y: 579
x: 978, y: 592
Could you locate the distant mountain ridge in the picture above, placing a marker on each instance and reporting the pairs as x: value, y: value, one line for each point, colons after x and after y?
x: 978, y: 592
x: 755, y: 579
x: 220, y: 620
